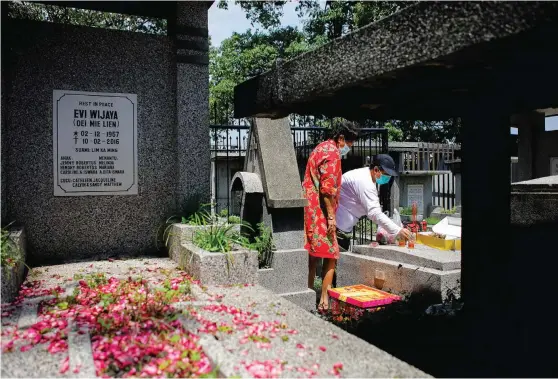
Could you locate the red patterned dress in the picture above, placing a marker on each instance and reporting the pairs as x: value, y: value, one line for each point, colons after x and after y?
x: 323, y: 175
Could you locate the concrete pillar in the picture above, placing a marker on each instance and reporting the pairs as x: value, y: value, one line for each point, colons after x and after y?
x: 530, y: 126
x: 457, y: 189
x: 455, y: 167
x: 486, y: 227
x: 189, y: 30
x: 213, y: 187
x: 395, y: 195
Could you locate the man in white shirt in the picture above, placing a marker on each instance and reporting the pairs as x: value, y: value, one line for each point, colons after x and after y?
x: 359, y: 197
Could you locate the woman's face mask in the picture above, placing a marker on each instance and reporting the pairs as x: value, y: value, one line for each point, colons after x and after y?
x: 344, y: 150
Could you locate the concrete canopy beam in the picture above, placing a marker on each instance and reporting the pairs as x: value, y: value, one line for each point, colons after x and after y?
x: 429, y: 61
x: 157, y: 9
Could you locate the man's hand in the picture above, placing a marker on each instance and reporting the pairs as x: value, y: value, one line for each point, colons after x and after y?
x: 405, y: 234
x: 331, y: 227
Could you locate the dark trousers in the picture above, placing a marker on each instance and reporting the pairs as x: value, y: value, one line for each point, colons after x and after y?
x: 343, y: 240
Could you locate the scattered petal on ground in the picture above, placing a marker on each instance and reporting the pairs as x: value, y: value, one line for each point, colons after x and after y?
x: 136, y: 332
x: 65, y: 365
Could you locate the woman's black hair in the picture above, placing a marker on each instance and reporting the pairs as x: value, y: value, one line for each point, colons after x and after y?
x: 347, y: 129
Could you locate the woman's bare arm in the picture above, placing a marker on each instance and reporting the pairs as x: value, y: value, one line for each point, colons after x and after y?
x: 331, y: 223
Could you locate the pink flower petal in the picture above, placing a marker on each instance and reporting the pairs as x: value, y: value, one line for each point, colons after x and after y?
x: 65, y: 365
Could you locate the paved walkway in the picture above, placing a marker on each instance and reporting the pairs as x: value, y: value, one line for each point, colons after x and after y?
x: 243, y: 331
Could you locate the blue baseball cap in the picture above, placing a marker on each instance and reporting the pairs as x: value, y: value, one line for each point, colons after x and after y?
x: 386, y: 163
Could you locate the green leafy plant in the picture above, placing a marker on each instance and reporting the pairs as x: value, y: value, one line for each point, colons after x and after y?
x: 318, y: 284
x: 215, y: 238
x: 96, y: 279
x: 11, y: 254
x: 449, y: 211
x: 202, y: 216
x: 432, y: 220
x: 234, y: 220
x: 407, y: 211
x: 221, y: 238
x: 224, y: 213
x: 263, y: 244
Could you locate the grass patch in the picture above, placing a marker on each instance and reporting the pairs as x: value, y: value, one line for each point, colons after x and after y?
x: 432, y: 220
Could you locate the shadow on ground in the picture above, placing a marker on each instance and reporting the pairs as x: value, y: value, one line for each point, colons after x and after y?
x: 431, y: 343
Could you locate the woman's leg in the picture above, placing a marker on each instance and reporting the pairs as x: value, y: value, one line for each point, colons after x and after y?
x: 312, y: 263
x: 328, y: 269
x: 344, y: 241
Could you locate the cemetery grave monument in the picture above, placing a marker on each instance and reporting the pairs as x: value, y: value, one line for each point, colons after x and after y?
x: 473, y: 60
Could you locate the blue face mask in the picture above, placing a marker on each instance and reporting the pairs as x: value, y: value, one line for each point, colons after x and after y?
x: 384, y: 179
x: 344, y: 150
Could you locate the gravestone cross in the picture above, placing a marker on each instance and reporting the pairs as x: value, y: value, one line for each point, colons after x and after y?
x: 270, y: 183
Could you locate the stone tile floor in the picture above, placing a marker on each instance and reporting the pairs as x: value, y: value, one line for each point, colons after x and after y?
x: 137, y: 318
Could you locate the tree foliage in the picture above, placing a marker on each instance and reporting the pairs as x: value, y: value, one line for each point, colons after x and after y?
x: 248, y: 54
x: 245, y: 55
x: 266, y: 13
x: 85, y: 17
x: 323, y: 21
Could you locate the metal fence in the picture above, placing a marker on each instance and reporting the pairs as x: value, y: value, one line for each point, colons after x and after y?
x: 434, y: 157
x: 228, y: 144
x: 443, y: 191
x: 429, y: 157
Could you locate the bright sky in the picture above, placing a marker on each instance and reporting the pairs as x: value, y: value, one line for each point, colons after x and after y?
x: 222, y: 24
x: 551, y: 123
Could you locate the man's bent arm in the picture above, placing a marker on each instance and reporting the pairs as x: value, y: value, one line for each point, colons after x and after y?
x: 377, y: 216
x: 371, y: 202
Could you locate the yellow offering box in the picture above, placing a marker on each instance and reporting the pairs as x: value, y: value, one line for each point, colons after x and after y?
x: 428, y: 239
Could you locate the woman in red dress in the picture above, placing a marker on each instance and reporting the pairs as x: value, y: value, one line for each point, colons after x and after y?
x: 322, y: 182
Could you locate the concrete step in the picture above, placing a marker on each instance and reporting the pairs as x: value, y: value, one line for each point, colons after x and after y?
x: 38, y: 362
x: 400, y: 277
x: 305, y: 299
x: 421, y: 255
x: 288, y: 272
x: 295, y: 342
x: 244, y: 330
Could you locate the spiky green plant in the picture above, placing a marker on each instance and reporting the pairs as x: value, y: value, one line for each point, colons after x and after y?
x: 263, y: 243
x: 10, y: 253
x: 234, y: 220
x: 221, y: 238
x: 202, y: 216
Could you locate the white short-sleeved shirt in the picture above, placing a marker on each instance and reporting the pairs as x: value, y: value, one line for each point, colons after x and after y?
x: 358, y: 198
